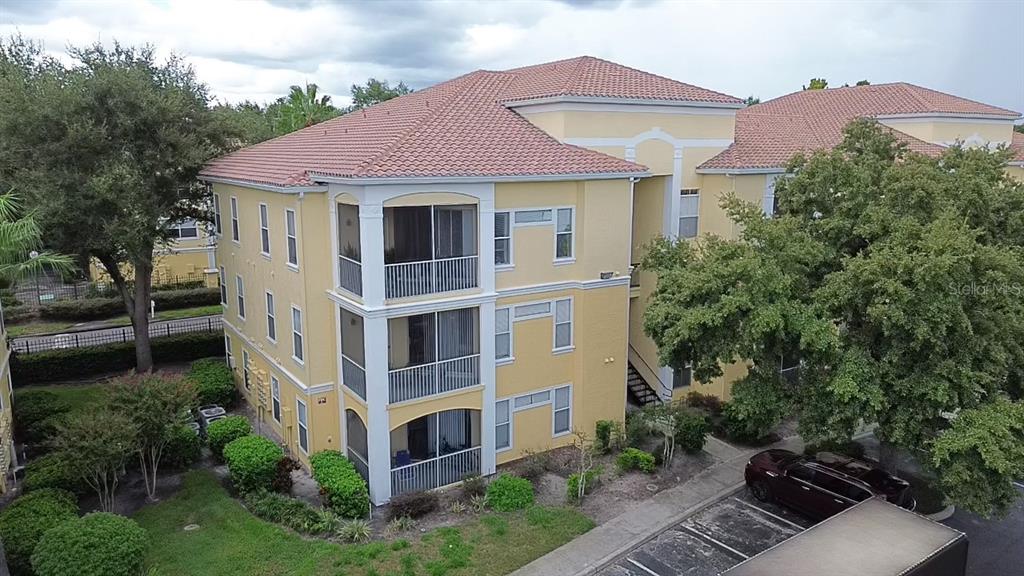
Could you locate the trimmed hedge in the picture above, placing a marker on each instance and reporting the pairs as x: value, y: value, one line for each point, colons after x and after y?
x: 691, y: 431
x: 222, y: 432
x: 27, y: 519
x: 183, y: 448
x: 74, y: 363
x: 341, y: 486
x: 509, y: 493
x: 214, y: 382
x: 103, y: 308
x: 51, y: 471
x: 252, y: 461
x: 97, y: 544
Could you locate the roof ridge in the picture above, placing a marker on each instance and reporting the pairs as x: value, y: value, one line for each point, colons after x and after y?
x: 666, y: 78
x: 905, y: 86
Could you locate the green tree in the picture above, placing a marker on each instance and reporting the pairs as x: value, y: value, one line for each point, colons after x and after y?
x: 751, y: 100
x: 894, y: 277
x: 1019, y: 128
x: 22, y: 254
x: 107, y: 150
x: 862, y: 83
x: 250, y: 122
x: 303, y: 108
x: 96, y: 444
x: 816, y: 84
x: 374, y: 92
x: 156, y: 406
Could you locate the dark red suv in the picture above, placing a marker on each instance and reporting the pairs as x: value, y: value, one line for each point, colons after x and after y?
x: 821, y: 486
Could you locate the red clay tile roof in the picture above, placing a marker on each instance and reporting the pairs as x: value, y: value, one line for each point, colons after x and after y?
x: 769, y: 134
x: 1017, y: 145
x: 459, y: 128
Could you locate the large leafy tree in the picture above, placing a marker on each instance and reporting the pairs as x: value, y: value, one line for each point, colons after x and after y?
x: 22, y: 253
x: 374, y: 92
x: 107, y: 150
x: 303, y: 108
x: 896, y: 279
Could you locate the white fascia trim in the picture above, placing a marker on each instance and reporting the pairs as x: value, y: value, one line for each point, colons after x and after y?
x: 267, y: 187
x: 307, y: 390
x: 558, y: 286
x: 676, y: 109
x: 624, y: 101
x: 1017, y: 164
x: 481, y: 179
x: 174, y: 250
x: 653, y: 134
x: 740, y: 171
x: 411, y: 308
x: 950, y: 117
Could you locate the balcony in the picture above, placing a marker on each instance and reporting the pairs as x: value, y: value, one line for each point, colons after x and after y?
x: 434, y: 378
x: 430, y: 276
x: 430, y: 250
x: 435, y: 450
x: 351, y: 275
x: 353, y: 355
x: 433, y: 353
x: 354, y: 376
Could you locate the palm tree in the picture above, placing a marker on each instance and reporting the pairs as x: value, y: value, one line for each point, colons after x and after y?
x: 21, y: 243
x: 302, y: 109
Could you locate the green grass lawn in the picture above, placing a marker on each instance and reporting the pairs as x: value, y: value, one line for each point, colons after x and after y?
x: 231, y: 541
x: 79, y: 396
x: 45, y: 327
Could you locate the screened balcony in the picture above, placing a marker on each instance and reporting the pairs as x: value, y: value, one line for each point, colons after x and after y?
x: 433, y: 353
x: 353, y: 353
x: 435, y: 450
x: 350, y: 257
x: 429, y: 249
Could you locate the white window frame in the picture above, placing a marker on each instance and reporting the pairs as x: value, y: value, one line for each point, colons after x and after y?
x: 555, y: 324
x: 542, y: 222
x: 246, y: 376
x: 240, y: 295
x: 297, y: 331
x: 187, y: 224
x: 571, y: 233
x: 271, y: 305
x: 228, y: 358
x: 217, y: 228
x: 275, y: 398
x: 236, y: 231
x: 533, y: 403
x: 531, y: 316
x: 508, y: 404
x: 301, y: 426
x: 224, y: 288
x: 511, y: 261
x: 768, y: 203
x: 264, y: 230
x: 499, y: 360
x: 555, y: 410
x: 696, y: 217
x: 291, y: 235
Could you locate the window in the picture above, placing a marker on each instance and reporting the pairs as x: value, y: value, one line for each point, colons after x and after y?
x: 502, y: 239
x: 271, y: 318
x: 297, y: 334
x: 563, y: 234
x: 533, y: 310
x: 184, y: 230
x: 301, y: 416
x: 689, y: 211
x: 532, y: 400
x: 563, y: 324
x: 682, y: 377
x: 502, y: 425
x: 275, y: 398
x: 240, y: 287
x: 264, y: 230
x: 770, y: 205
x: 245, y: 369
x: 533, y: 216
x: 562, y: 410
x: 227, y: 351
x: 502, y: 334
x: 234, y: 220
x: 216, y: 215
x: 290, y: 234
x: 801, y: 472
x: 223, y: 287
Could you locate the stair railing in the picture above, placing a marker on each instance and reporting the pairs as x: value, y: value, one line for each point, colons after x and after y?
x: 666, y: 390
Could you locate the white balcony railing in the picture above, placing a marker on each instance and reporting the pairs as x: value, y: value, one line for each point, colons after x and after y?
x: 430, y: 276
x: 360, y: 464
x: 353, y: 376
x: 434, y: 378
x: 351, y: 273
x: 436, y: 472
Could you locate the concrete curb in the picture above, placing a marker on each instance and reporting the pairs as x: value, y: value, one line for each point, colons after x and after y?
x: 943, y: 514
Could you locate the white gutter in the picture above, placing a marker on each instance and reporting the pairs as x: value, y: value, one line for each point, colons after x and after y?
x: 624, y: 101
x: 476, y: 179
x: 261, y: 186
x: 739, y: 171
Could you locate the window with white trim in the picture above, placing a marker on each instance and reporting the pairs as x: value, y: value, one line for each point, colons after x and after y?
x: 564, y: 234
x: 502, y: 334
x: 264, y: 230
x: 297, y: 352
x: 302, y: 418
x: 216, y: 215
x: 245, y: 369
x: 689, y: 212
x: 533, y: 400
x: 502, y: 239
x: 275, y: 398
x: 770, y: 205
x: 561, y: 410
x: 234, y: 220
x: 533, y: 216
x: 502, y: 425
x: 535, y: 310
x: 184, y: 230
x: 563, y: 324
x: 240, y: 289
x: 227, y: 352
x: 271, y: 318
x: 291, y: 236
x: 223, y: 287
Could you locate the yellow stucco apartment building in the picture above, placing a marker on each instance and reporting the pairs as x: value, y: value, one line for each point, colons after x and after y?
x: 437, y: 284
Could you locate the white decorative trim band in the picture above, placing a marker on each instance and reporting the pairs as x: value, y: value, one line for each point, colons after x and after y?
x: 480, y: 179
x: 307, y: 390
x: 261, y: 186
x: 741, y: 171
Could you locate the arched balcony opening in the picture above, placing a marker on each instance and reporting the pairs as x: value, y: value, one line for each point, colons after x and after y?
x: 358, y: 449
x: 435, y: 450
x: 429, y: 249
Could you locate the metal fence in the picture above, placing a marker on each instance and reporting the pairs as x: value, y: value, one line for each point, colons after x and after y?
x: 43, y: 342
x: 47, y: 289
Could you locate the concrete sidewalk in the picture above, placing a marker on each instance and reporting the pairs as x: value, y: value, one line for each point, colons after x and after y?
x: 601, y: 546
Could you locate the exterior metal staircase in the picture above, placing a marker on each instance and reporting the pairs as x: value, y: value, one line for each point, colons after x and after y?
x: 639, y: 389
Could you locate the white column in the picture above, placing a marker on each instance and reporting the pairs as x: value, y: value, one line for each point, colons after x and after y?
x: 371, y: 240
x: 375, y: 334
x: 487, y: 378
x: 487, y: 243
x: 332, y: 214
x: 670, y: 222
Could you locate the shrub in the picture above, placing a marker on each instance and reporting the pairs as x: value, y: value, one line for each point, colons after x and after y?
x: 635, y: 459
x: 8, y: 299
x: 283, y: 475
x: 341, y: 486
x: 252, y: 461
x: 636, y: 429
x: 214, y: 382
x: 183, y: 448
x: 509, y: 493
x: 474, y: 485
x: 603, y: 434
x: 24, y: 522
x: 572, y: 486
x: 355, y: 530
x: 223, y: 431
x: 102, y: 308
x: 32, y: 407
x: 755, y: 408
x: 413, y: 505
x: 51, y: 471
x: 18, y: 313
x: 97, y: 544
x: 534, y: 465
x: 843, y: 448
x: 291, y: 512
x: 399, y: 525
x: 691, y: 431
x: 74, y: 363
x: 709, y: 402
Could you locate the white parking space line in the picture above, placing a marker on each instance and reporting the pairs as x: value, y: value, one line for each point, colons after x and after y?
x: 712, y: 540
x: 642, y: 567
x: 763, y: 511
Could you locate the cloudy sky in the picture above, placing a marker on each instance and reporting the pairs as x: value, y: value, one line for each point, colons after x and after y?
x: 256, y: 49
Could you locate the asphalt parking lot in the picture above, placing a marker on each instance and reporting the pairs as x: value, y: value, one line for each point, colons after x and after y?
x: 995, y: 544
x: 714, y: 539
